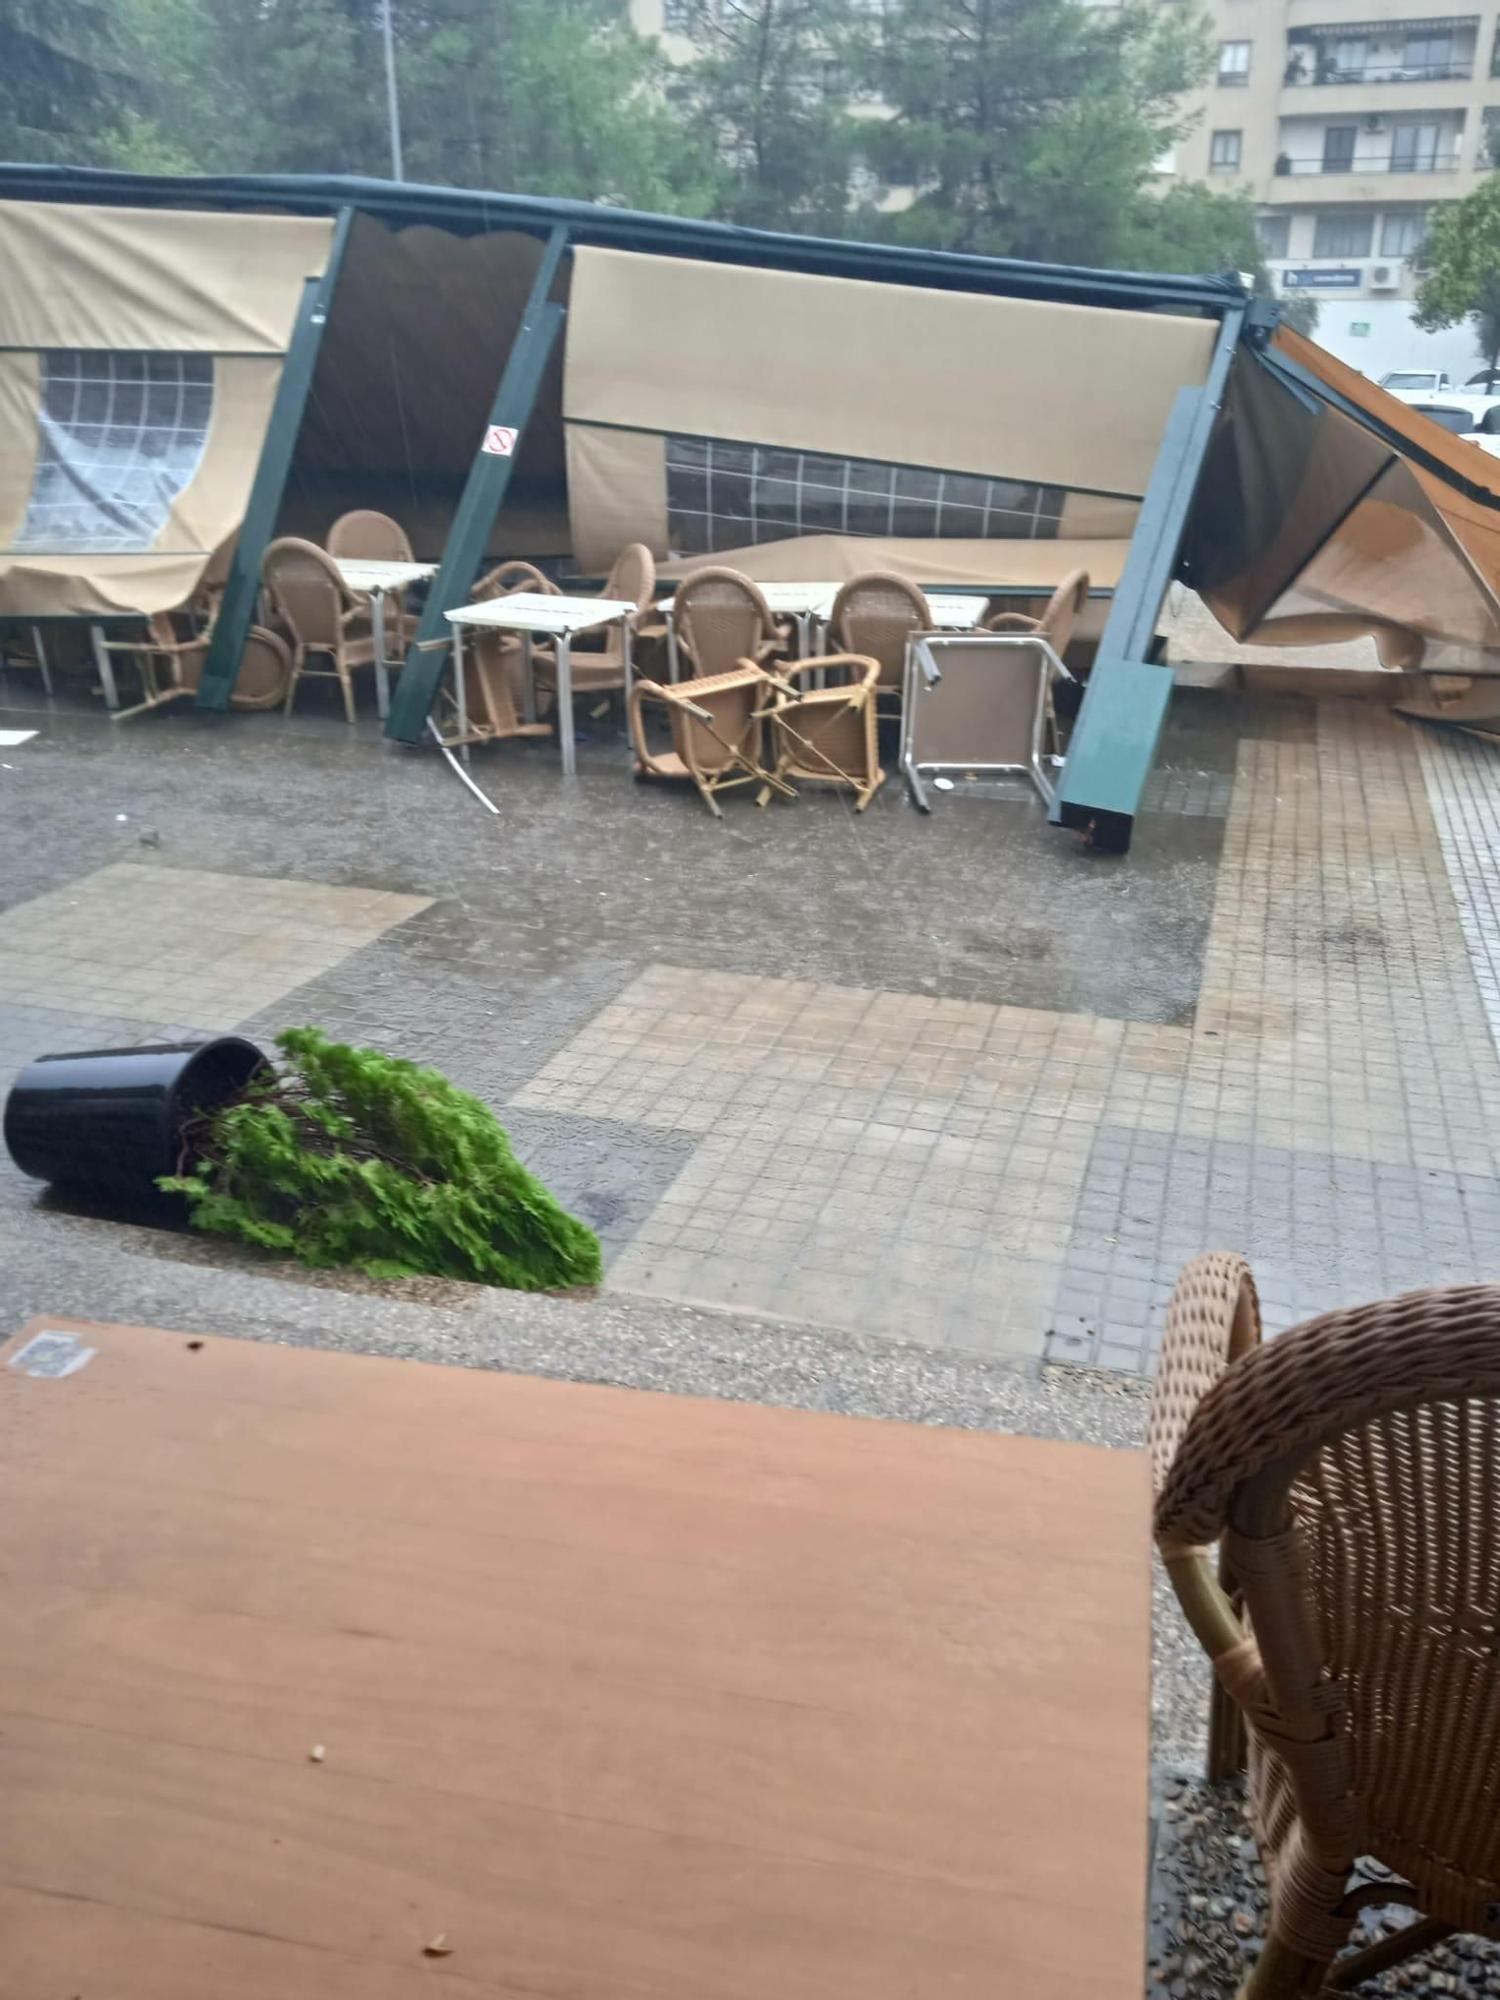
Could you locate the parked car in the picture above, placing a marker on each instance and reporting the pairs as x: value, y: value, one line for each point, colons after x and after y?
x: 1465, y: 415
x: 1409, y: 383
x: 1487, y: 378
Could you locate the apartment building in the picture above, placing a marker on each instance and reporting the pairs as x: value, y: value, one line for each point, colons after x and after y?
x: 1344, y: 129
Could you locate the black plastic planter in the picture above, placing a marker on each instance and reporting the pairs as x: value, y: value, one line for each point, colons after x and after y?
x: 114, y: 1118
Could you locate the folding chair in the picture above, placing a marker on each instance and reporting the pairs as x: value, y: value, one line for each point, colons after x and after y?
x: 716, y: 722
x: 980, y: 702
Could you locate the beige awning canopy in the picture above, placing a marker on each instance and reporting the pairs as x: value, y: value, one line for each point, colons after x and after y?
x: 1022, y: 396
x: 140, y: 352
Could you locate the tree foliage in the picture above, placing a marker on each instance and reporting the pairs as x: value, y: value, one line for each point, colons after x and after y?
x: 1028, y: 128
x: 58, y: 81
x: 1460, y: 263
x: 768, y: 92
x: 346, y: 1157
x: 1023, y: 127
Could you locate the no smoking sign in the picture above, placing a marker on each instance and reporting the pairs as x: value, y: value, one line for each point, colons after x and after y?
x: 500, y: 441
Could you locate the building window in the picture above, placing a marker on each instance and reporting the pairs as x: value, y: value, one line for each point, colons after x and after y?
x: 1414, y: 149
x: 1347, y: 235
x: 727, y: 496
x: 1338, y: 148
x: 1347, y: 61
x: 1234, y: 62
x: 119, y: 437
x: 1427, y: 55
x: 1224, y: 151
x: 1275, y: 232
x: 1402, y: 232
x: 680, y: 17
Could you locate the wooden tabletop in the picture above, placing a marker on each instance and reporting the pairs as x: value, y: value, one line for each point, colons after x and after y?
x: 619, y: 1696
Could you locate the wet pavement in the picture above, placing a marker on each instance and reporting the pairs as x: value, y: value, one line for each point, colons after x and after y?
x: 947, y: 1079
x: 888, y: 1115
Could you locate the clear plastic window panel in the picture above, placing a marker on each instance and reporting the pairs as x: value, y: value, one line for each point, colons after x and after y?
x: 120, y: 436
x: 730, y: 496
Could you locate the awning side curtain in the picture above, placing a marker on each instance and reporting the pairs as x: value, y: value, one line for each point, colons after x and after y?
x: 158, y: 279
x: 1072, y: 396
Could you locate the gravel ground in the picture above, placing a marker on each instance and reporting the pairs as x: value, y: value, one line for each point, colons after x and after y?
x: 1209, y: 1904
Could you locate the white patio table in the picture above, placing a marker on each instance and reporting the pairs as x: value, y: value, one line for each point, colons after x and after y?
x: 532, y: 614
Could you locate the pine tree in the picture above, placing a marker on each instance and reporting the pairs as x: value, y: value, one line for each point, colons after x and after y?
x: 58, y: 82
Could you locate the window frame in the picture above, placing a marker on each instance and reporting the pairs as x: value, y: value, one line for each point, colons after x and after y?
x: 1350, y: 217
x: 1227, y: 165
x: 1236, y: 72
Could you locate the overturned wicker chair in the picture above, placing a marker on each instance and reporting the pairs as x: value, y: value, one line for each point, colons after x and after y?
x: 826, y: 735
x: 1351, y: 1471
x: 717, y: 724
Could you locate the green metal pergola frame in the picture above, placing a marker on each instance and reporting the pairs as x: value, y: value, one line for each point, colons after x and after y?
x: 1114, y: 741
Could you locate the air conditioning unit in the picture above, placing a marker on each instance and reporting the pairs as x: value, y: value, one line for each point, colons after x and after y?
x: 1374, y: 123
x: 1384, y: 277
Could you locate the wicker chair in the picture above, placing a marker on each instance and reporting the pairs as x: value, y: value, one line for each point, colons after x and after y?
x: 875, y: 614
x: 717, y: 724
x: 364, y: 535
x: 721, y: 619
x: 1352, y: 1470
x: 321, y: 614
x: 1056, y: 623
x: 827, y: 734
x: 598, y: 657
x: 171, y: 658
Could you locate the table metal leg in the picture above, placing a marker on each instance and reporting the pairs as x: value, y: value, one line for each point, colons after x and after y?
x: 105, y: 666
x: 565, y: 705
x: 627, y: 653
x: 674, y: 668
x: 528, y: 679
x: 382, y: 676
x: 41, y: 659
x: 460, y: 691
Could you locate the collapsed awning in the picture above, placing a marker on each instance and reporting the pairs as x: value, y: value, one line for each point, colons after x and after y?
x: 1328, y: 509
x: 140, y: 352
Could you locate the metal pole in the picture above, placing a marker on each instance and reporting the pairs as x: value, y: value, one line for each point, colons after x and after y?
x: 393, y: 105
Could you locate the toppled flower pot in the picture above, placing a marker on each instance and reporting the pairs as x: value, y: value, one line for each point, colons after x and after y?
x: 119, y: 1120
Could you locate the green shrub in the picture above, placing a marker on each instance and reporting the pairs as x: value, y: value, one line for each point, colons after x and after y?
x: 349, y: 1157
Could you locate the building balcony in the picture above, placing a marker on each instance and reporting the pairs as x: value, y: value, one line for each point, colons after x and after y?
x: 1461, y: 70
x: 1442, y: 162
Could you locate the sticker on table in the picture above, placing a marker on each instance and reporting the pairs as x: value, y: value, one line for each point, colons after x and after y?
x: 52, y: 1356
x: 500, y: 440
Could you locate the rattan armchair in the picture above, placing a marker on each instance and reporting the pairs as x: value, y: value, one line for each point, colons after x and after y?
x: 1351, y: 1470
x: 876, y: 614
x: 599, y: 664
x: 322, y: 616
x: 364, y: 534
x: 719, y: 618
x: 827, y: 734
x: 1058, y: 619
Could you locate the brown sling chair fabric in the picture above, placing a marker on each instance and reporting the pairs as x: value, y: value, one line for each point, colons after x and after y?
x: 1055, y: 626
x: 720, y: 619
x: 367, y: 536
x: 321, y: 614
x: 875, y: 614
x: 717, y: 731
x: 827, y: 734
x: 1352, y: 1470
